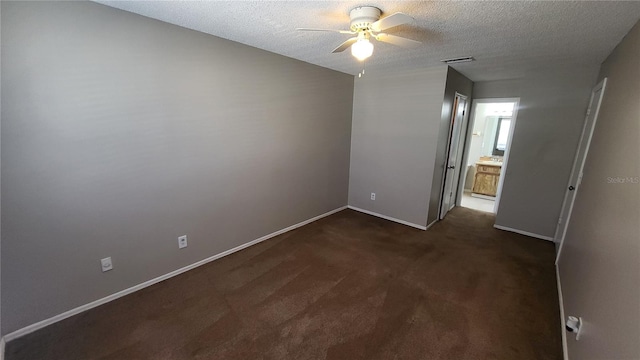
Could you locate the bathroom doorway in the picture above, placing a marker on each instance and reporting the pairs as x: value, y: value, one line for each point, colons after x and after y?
x: 486, y: 152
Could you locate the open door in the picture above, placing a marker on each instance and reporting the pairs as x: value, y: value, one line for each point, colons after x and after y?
x: 578, y: 164
x: 452, y: 171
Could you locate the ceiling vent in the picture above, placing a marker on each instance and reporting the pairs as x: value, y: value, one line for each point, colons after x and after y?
x: 458, y: 60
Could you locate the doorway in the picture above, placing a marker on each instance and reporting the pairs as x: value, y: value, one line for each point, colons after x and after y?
x: 487, y: 145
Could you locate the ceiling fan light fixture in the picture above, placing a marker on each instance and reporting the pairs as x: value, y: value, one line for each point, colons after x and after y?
x: 362, y: 49
x: 366, y: 24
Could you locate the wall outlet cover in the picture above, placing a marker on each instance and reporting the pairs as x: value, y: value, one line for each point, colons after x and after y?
x: 373, y: 196
x: 106, y: 264
x: 182, y: 242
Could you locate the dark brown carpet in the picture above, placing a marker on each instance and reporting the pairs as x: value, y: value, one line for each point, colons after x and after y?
x: 349, y: 286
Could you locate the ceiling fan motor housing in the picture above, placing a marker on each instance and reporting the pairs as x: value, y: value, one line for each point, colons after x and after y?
x: 362, y: 17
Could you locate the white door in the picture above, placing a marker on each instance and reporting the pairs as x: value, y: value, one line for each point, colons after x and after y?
x: 578, y: 163
x: 452, y: 172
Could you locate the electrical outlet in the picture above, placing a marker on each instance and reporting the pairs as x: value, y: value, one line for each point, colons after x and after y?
x: 106, y: 264
x: 182, y: 241
x: 373, y: 196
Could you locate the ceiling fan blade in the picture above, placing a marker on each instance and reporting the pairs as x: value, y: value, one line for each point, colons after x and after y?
x: 329, y: 30
x: 345, y: 45
x: 397, y: 40
x: 391, y: 21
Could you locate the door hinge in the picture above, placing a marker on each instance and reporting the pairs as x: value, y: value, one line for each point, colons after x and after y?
x: 588, y: 111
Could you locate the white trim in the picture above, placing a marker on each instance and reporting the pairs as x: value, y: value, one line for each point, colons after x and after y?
x: 430, y: 225
x: 41, y: 324
x: 548, y: 238
x: 507, y: 152
x: 565, y: 350
x: 388, y: 218
x: 496, y: 100
x: 2, y: 343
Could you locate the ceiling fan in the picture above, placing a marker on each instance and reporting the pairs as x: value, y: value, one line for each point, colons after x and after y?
x: 366, y: 24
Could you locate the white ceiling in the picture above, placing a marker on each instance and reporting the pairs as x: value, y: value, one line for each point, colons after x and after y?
x: 508, y: 39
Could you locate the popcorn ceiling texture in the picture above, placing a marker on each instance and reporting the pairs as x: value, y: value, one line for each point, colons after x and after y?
x: 508, y: 39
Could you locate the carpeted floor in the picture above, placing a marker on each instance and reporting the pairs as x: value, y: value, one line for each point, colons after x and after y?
x: 349, y: 286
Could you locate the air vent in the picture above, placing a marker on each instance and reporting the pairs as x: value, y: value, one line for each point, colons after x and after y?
x: 458, y: 60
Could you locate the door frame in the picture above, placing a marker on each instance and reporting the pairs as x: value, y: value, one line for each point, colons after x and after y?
x: 578, y: 180
x: 461, y: 140
x: 507, y: 151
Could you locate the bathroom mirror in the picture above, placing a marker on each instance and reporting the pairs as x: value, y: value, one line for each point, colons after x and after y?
x: 502, y: 134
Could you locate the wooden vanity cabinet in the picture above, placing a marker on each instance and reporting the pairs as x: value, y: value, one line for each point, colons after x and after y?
x: 486, y: 179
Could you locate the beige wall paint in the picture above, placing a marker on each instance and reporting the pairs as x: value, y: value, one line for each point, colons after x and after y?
x: 456, y: 82
x: 120, y: 133
x: 600, y: 261
x: 395, y: 131
x: 552, y: 109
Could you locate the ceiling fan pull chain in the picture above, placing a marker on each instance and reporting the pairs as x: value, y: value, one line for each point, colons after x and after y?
x: 364, y: 66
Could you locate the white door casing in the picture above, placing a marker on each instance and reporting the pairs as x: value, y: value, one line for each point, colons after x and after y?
x: 578, y: 164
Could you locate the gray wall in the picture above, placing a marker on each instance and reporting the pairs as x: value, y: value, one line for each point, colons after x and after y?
x: 395, y: 130
x: 600, y: 261
x: 0, y: 188
x: 120, y: 133
x: 552, y: 109
x: 456, y: 82
x: 497, y: 89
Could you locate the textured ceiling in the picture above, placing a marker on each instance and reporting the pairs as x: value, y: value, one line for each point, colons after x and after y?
x: 508, y: 39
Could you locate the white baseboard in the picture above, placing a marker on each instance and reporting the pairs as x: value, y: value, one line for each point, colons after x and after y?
x: 486, y: 197
x: 565, y: 350
x: 430, y: 225
x: 41, y: 324
x: 388, y: 218
x: 548, y: 238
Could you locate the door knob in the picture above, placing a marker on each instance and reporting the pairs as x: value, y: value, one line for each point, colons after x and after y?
x: 451, y: 167
x: 571, y: 188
